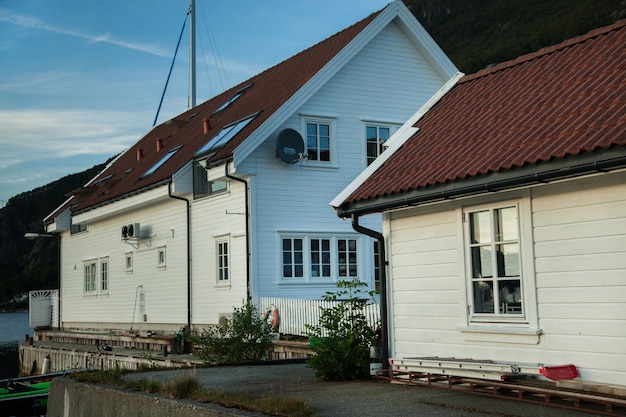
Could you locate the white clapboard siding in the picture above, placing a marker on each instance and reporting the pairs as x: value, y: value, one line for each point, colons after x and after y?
x: 383, y: 83
x: 578, y: 232
x: 296, y: 314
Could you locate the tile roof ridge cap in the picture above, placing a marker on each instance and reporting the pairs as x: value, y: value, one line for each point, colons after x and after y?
x: 543, y: 51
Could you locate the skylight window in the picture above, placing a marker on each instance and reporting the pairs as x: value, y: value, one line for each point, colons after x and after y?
x: 225, y: 135
x: 162, y: 161
x: 233, y: 98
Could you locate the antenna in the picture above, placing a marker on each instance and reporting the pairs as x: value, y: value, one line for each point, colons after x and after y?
x: 192, y: 53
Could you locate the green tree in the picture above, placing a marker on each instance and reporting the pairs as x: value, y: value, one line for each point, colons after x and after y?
x: 245, y: 338
x: 343, y: 336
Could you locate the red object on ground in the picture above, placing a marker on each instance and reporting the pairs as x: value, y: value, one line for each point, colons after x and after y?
x: 559, y: 372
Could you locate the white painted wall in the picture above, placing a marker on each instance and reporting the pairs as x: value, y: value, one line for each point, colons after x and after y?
x: 218, y: 216
x: 385, y: 83
x: 164, y: 288
x: 578, y: 237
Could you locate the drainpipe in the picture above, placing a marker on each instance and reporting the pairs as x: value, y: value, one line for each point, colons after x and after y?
x: 247, y: 212
x: 383, y: 286
x: 169, y: 192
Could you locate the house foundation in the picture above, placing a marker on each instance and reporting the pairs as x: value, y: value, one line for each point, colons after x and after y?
x: 62, y: 351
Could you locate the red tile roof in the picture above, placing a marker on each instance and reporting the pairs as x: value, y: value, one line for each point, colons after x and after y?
x: 268, y: 91
x: 568, y: 99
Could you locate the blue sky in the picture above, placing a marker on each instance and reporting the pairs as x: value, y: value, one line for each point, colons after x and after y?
x: 81, y: 80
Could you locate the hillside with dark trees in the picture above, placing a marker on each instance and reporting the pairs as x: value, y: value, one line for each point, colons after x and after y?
x: 474, y: 34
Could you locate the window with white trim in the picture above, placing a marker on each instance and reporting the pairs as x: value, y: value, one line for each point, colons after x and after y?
x: 89, y: 277
x: 128, y: 261
x: 223, y: 260
x: 495, y: 278
x: 318, y: 258
x: 319, y: 140
x: 375, y: 138
x: 161, y: 257
x: 202, y: 187
x: 104, y: 275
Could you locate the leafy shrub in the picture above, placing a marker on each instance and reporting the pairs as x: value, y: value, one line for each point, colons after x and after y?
x: 245, y: 338
x: 342, y: 338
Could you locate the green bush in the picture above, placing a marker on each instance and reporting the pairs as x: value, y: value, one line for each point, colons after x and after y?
x: 342, y: 338
x: 245, y: 338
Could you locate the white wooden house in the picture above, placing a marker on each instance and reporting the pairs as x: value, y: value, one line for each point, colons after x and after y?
x: 504, y: 213
x: 229, y: 200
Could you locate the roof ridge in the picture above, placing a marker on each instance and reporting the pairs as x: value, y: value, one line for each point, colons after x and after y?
x: 366, y: 19
x: 544, y: 51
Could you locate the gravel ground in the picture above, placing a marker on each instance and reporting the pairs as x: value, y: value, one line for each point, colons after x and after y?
x: 356, y: 398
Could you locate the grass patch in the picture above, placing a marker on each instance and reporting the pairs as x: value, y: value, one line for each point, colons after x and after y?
x: 188, y: 387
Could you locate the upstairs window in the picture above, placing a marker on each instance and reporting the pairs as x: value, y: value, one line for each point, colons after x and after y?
x: 318, y: 141
x: 202, y: 187
x: 233, y: 99
x: 162, y: 161
x: 225, y: 135
x: 375, y: 138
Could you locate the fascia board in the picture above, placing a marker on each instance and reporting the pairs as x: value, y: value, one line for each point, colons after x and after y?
x: 315, y: 83
x: 134, y: 202
x: 395, y: 142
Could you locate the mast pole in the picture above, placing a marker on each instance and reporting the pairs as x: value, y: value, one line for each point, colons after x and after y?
x: 192, y: 53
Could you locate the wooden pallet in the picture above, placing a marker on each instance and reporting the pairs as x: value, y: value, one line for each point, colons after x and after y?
x: 549, y: 396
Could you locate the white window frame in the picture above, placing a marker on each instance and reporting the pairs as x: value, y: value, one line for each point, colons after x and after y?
x: 161, y: 261
x: 332, y: 162
x: 90, y: 273
x: 522, y: 324
x: 308, y: 276
x: 104, y: 274
x: 203, y: 187
x: 128, y: 262
x: 380, y: 144
x: 222, y: 261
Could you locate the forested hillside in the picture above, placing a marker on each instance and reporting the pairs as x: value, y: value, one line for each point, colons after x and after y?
x: 474, y: 34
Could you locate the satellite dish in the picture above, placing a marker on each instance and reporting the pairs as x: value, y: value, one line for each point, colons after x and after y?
x: 289, y: 146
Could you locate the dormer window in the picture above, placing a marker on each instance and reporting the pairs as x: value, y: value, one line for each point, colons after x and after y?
x: 225, y: 135
x: 233, y: 98
x: 162, y: 161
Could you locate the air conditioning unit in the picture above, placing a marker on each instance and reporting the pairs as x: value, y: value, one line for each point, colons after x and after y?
x: 223, y: 318
x: 131, y: 230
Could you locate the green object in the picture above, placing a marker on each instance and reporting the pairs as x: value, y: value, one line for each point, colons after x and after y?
x: 16, y: 390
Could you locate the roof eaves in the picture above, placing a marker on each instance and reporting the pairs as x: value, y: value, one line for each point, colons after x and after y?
x: 122, y: 197
x: 592, y: 163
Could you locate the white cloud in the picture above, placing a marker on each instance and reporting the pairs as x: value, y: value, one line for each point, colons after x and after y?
x: 35, y: 23
x: 58, y: 133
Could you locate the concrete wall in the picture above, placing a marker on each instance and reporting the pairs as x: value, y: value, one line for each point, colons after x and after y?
x: 71, y: 398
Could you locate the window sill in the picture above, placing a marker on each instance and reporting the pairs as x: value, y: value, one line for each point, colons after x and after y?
x: 308, y: 282
x: 224, y: 286
x: 501, y: 334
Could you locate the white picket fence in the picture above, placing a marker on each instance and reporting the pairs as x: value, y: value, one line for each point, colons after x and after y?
x: 294, y: 314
